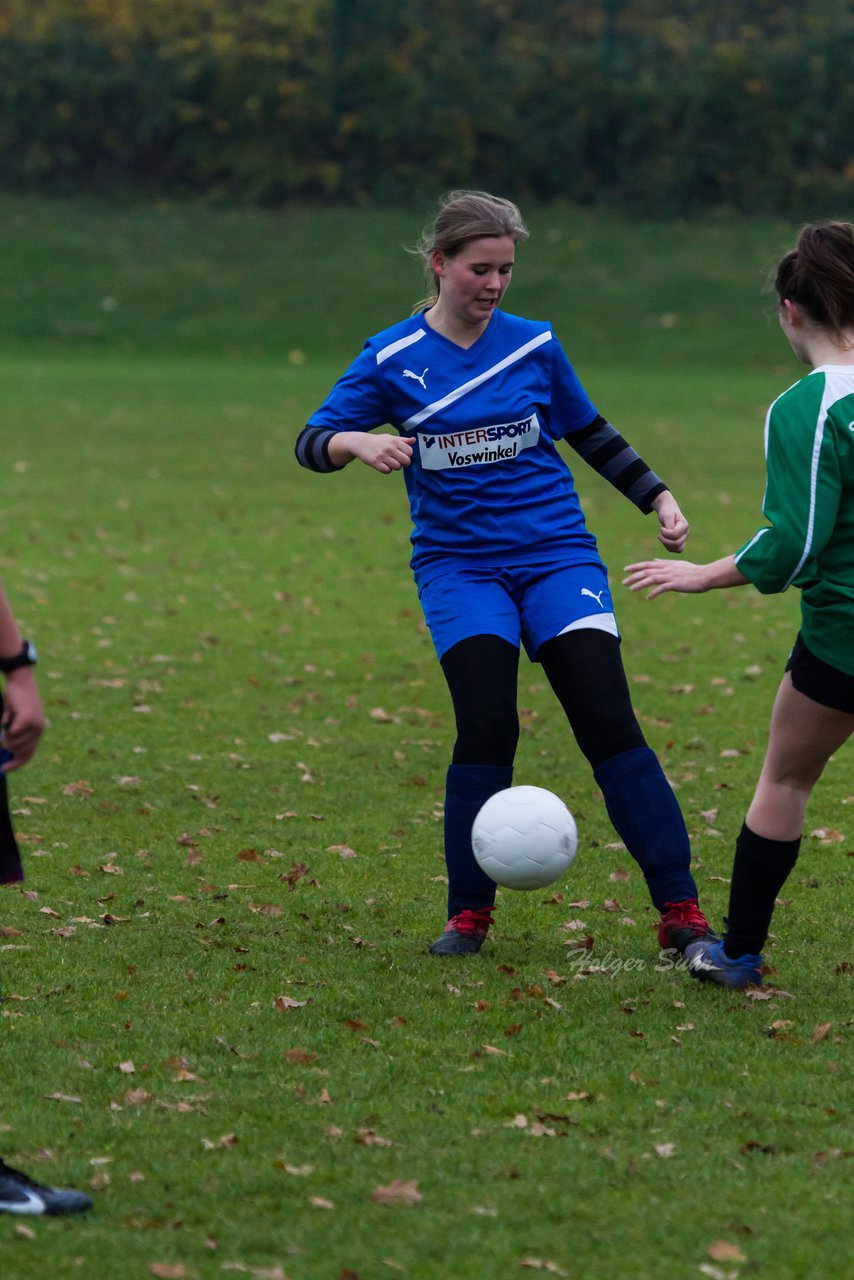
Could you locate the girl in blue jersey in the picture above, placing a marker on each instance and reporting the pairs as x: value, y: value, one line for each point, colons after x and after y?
x: 808, y: 543
x: 500, y: 550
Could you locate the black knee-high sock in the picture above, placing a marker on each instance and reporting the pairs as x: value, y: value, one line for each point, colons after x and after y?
x: 760, y: 869
x: 11, y: 870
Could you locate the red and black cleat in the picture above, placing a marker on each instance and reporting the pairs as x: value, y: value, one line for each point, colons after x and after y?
x: 464, y: 933
x: 681, y: 924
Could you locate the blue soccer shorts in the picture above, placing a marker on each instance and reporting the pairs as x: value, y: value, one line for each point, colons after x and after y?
x: 523, y: 603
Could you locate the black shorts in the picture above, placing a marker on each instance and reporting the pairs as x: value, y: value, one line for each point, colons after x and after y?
x: 820, y: 681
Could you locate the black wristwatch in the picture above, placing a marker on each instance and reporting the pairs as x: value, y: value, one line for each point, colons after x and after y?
x: 26, y: 658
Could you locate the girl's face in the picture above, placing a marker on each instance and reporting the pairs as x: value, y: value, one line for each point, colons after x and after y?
x: 473, y: 281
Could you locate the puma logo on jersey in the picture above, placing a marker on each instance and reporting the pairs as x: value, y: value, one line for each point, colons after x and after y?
x: 585, y: 591
x: 407, y: 373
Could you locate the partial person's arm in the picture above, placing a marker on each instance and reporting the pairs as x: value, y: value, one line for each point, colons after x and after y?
x: 340, y: 431
x: 23, y: 718
x: 322, y: 449
x: 681, y: 575
x: 606, y: 451
x: 803, y: 488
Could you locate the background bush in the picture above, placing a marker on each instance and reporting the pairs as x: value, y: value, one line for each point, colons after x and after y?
x: 618, y: 101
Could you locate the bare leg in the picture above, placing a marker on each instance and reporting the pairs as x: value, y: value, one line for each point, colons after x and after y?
x: 802, y: 738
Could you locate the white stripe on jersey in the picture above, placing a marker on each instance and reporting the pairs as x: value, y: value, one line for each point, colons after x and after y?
x: 816, y: 454
x: 829, y: 398
x: 752, y: 543
x: 459, y: 392
x: 832, y: 392
x: 394, y: 347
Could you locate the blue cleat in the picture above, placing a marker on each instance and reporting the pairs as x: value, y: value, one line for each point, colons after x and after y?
x: 20, y: 1194
x: 707, y: 961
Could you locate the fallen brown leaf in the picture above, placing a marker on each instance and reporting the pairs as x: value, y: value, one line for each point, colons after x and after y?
x: 80, y: 788
x: 766, y: 993
x: 297, y: 871
x: 542, y: 1264
x: 397, y: 1192
x: 827, y: 835
x: 723, y: 1251
x: 300, y: 1056
x: 260, y: 1273
x: 135, y: 1097
x: 343, y: 850
x: 368, y: 1138
x: 227, y: 1140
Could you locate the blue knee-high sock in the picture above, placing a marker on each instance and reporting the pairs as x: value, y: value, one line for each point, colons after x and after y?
x: 648, y: 820
x: 468, y: 786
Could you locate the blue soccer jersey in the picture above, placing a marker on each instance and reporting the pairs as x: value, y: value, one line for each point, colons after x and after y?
x: 486, y: 483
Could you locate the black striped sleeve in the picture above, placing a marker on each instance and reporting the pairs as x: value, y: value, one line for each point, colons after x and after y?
x: 312, y: 449
x: 604, y: 449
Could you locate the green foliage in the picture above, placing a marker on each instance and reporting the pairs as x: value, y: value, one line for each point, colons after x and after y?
x: 622, y: 103
x: 174, y: 277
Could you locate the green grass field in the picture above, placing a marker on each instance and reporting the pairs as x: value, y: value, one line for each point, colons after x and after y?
x: 218, y: 1011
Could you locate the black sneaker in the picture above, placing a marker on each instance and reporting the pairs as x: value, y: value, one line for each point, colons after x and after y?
x: 464, y: 933
x: 19, y: 1194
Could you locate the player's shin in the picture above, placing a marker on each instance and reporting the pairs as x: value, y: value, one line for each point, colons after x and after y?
x: 760, y: 869
x: 467, y: 788
x: 647, y: 818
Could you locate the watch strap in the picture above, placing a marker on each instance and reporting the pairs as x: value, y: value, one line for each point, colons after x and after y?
x: 25, y: 658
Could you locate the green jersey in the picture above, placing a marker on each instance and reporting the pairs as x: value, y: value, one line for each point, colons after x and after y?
x: 809, y: 503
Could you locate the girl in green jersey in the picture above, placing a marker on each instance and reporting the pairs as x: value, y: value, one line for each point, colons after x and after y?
x: 808, y: 543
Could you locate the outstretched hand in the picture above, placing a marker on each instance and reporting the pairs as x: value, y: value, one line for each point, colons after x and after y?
x: 682, y: 575
x: 665, y: 575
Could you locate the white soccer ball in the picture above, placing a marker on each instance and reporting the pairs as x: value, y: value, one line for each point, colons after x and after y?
x: 524, y: 837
